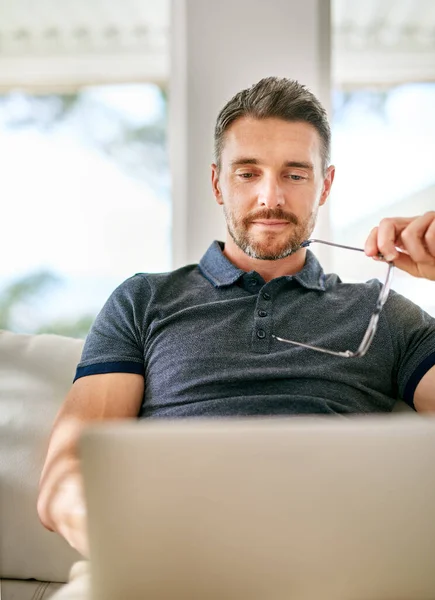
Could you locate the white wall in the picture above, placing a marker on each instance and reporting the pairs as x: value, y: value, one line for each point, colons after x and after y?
x: 217, y: 49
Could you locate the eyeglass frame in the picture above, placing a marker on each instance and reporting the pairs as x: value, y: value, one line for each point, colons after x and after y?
x: 373, y: 323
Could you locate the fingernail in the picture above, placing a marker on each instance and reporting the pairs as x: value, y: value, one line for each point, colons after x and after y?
x: 390, y: 257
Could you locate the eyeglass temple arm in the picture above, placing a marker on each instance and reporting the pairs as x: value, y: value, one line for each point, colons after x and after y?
x: 312, y: 240
x: 346, y: 353
x: 371, y: 329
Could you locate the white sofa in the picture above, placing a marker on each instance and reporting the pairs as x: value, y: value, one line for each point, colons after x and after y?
x: 36, y: 372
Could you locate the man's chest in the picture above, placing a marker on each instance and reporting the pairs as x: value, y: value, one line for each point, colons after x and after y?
x: 227, y: 348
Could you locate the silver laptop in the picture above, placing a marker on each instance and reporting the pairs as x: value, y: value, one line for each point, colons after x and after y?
x: 262, y: 509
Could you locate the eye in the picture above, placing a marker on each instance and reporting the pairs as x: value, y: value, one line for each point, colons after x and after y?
x: 294, y: 177
x: 246, y: 175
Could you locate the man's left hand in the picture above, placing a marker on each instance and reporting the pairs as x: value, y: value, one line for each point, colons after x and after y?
x: 409, y: 242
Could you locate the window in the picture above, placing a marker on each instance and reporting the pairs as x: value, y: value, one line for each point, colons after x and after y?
x: 384, y: 149
x: 86, y: 202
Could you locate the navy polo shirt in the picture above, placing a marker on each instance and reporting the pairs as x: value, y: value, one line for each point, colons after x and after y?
x: 202, y: 336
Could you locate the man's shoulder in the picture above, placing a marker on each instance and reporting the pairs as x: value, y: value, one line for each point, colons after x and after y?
x: 144, y: 287
x: 332, y: 281
x: 182, y: 274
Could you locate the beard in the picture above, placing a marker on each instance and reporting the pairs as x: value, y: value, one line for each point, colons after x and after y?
x: 269, y: 246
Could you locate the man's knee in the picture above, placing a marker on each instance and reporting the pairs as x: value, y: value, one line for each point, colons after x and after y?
x: 78, y: 586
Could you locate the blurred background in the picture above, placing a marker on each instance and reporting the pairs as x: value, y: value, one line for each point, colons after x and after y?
x: 86, y: 188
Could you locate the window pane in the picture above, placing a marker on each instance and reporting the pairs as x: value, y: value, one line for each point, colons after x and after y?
x: 85, y: 189
x: 384, y: 149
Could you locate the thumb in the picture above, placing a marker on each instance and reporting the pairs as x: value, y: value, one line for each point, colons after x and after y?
x: 405, y: 263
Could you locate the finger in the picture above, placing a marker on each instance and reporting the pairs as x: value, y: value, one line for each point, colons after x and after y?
x: 430, y: 237
x: 371, y: 245
x: 405, y: 263
x: 418, y: 238
x: 77, y: 538
x: 83, y: 546
x: 389, y: 231
x: 79, y: 542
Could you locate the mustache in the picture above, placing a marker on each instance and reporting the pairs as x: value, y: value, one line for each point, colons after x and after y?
x: 271, y: 213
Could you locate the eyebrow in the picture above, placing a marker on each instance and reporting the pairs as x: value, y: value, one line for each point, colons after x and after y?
x: 254, y: 161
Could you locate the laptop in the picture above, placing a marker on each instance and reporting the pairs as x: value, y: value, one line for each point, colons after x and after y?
x: 302, y: 508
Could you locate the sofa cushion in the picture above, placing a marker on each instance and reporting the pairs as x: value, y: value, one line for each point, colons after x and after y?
x: 36, y: 372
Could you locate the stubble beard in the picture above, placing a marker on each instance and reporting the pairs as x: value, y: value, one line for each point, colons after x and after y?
x: 268, y: 248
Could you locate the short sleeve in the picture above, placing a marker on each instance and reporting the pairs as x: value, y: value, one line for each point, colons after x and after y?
x: 115, y: 341
x: 413, y: 337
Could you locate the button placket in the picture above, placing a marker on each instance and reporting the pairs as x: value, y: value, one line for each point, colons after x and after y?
x: 252, y: 284
x: 261, y: 334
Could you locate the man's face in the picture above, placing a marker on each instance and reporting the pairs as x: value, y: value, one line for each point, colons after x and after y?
x: 270, y: 185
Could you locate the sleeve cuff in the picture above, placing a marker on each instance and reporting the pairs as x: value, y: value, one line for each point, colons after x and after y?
x: 110, y: 367
x: 416, y: 377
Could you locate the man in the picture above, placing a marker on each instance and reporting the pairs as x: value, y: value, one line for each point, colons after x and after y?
x: 201, y: 341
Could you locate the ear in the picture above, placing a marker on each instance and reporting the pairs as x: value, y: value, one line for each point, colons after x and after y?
x: 327, y: 184
x: 215, y: 184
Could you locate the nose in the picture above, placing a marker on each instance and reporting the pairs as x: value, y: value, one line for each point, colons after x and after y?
x: 270, y: 193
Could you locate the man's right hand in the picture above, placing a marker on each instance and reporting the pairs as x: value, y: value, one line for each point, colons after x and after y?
x: 68, y: 515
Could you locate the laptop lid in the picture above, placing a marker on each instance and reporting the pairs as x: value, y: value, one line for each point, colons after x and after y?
x: 262, y: 509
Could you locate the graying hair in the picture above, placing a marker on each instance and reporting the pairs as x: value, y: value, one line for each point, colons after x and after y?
x: 275, y: 97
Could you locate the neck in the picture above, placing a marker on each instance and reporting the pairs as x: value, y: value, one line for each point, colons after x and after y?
x: 268, y: 269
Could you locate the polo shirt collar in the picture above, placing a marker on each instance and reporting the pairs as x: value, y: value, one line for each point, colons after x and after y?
x: 216, y: 267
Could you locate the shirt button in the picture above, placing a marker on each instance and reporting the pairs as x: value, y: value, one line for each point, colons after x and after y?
x: 266, y: 296
x: 261, y: 334
x: 262, y: 313
x: 253, y: 282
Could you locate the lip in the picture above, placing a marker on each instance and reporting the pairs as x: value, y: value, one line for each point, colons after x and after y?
x: 270, y: 223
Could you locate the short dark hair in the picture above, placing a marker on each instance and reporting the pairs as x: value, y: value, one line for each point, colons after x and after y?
x: 275, y: 97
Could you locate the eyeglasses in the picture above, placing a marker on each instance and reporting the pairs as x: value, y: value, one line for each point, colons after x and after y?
x: 373, y: 323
